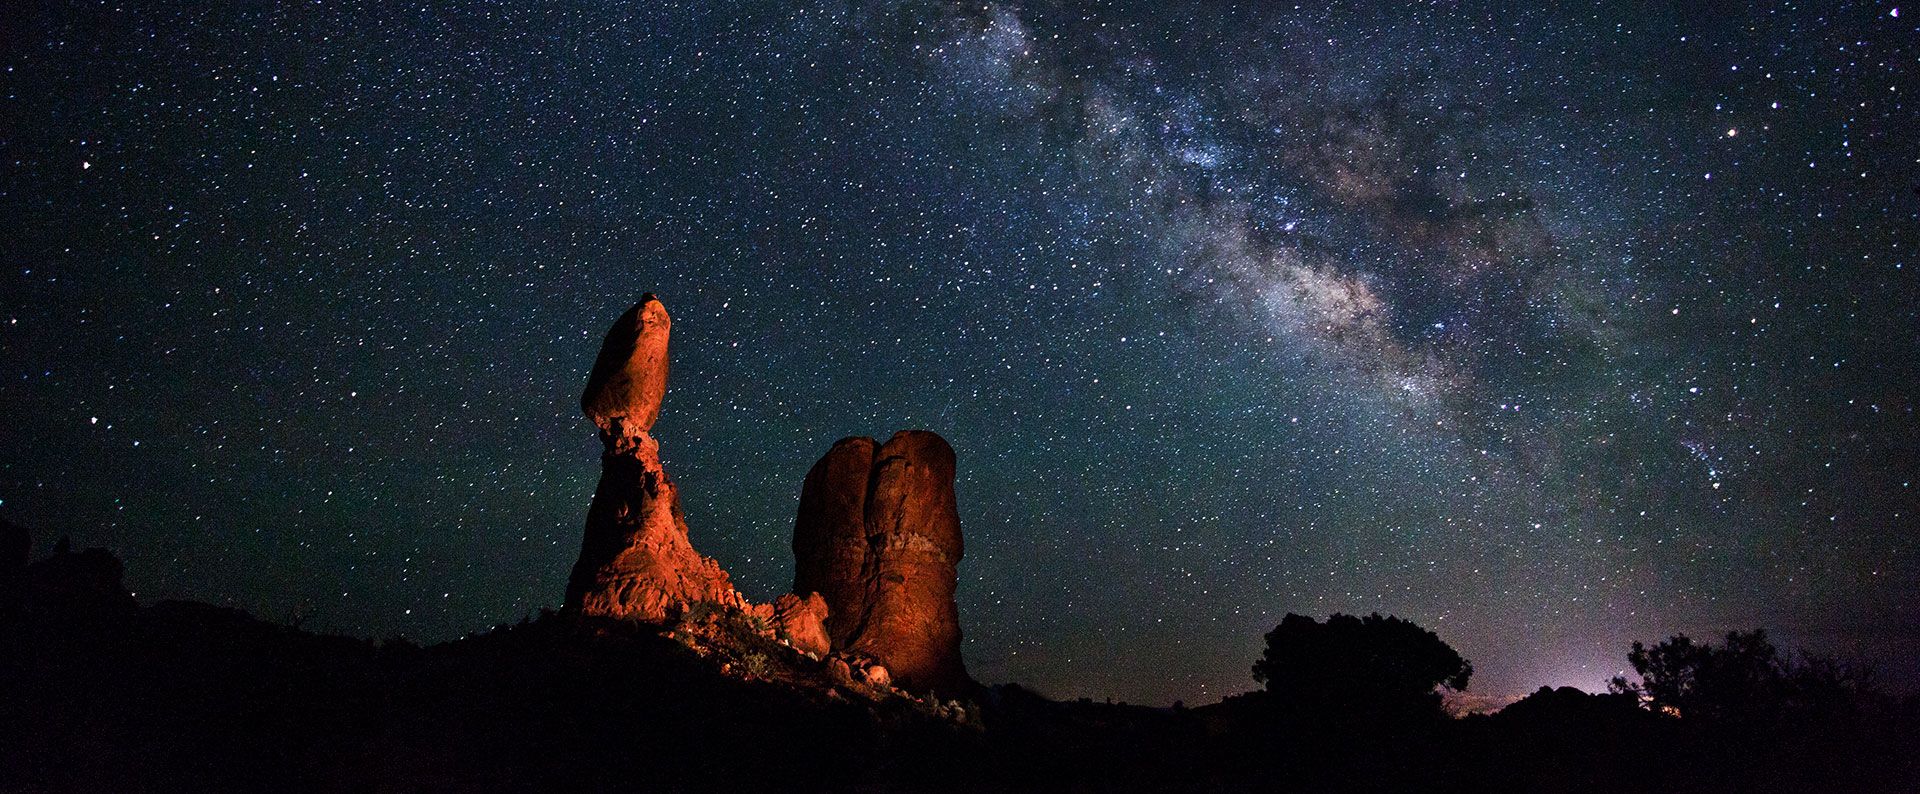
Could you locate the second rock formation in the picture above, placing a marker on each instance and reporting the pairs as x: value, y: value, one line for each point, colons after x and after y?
x: 878, y: 536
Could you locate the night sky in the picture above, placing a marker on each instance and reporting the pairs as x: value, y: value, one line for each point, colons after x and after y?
x: 1547, y: 330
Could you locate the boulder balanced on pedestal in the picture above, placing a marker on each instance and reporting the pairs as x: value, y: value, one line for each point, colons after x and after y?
x: 635, y: 560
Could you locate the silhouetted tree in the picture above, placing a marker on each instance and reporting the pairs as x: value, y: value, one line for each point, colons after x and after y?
x: 1746, y: 679
x: 1373, y: 664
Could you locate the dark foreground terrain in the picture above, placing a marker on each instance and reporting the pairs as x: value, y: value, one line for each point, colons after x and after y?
x: 102, y: 694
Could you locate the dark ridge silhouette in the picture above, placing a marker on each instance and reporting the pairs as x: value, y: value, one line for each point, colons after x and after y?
x: 104, y: 694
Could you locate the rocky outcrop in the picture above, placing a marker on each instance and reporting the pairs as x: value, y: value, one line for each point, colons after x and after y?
x: 804, y: 622
x: 636, y: 561
x: 877, y: 535
x: 830, y: 534
x: 876, y: 540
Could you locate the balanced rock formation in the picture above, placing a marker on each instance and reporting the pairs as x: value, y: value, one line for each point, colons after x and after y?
x: 636, y: 561
x: 878, y: 537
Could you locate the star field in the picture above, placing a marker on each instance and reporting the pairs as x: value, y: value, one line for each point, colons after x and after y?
x: 1548, y: 330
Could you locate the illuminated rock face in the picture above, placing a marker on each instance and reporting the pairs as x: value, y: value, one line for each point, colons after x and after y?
x: 830, y: 534
x: 629, y: 377
x: 878, y: 536
x: 636, y: 561
x: 876, y: 540
x: 804, y: 622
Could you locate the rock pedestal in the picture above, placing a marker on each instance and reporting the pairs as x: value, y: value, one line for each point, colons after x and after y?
x: 877, y: 535
x: 636, y: 561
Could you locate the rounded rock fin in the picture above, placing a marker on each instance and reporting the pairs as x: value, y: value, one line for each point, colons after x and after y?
x: 878, y: 535
x: 829, y: 534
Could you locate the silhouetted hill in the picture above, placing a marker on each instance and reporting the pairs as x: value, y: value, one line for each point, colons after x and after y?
x: 106, y: 695
x: 184, y: 695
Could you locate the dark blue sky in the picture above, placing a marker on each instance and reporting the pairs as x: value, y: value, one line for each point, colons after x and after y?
x: 1547, y: 330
